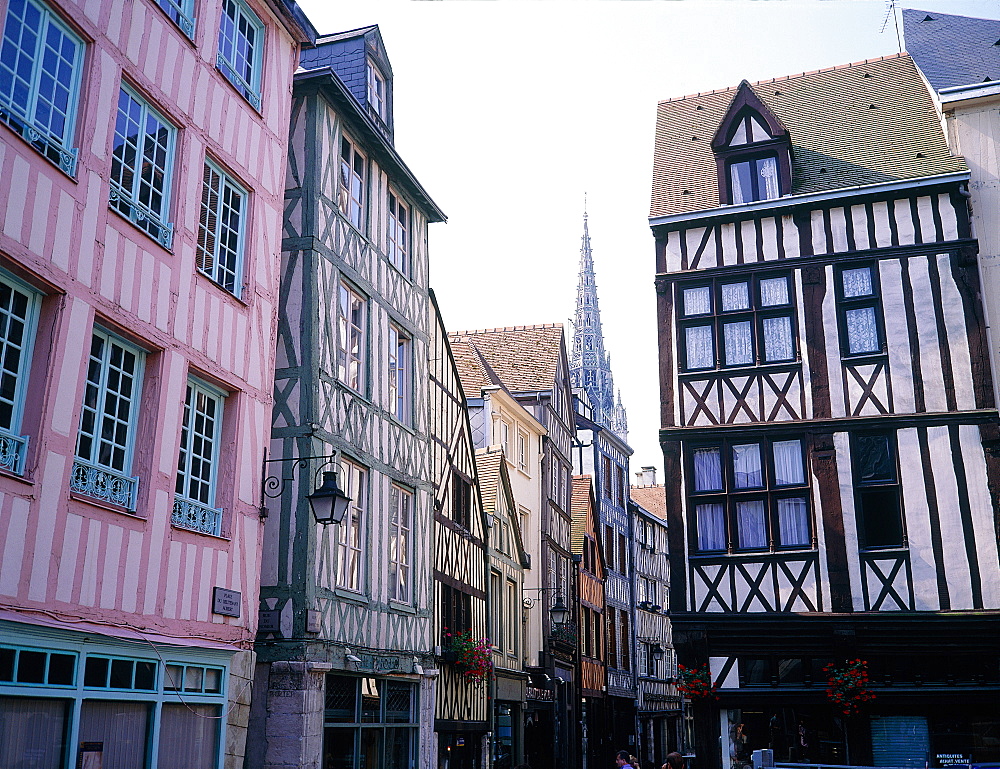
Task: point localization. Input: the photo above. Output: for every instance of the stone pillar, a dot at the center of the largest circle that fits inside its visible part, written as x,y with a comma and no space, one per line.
240,695
427,756
294,727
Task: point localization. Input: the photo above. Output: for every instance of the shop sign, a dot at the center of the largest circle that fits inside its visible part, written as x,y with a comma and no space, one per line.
379,664
951,759
546,695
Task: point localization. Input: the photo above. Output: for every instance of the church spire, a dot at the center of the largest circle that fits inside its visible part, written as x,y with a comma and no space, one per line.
590,364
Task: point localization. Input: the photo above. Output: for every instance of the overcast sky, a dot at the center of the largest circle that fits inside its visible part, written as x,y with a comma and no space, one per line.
509,111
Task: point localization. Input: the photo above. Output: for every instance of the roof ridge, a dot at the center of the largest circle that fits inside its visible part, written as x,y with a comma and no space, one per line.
504,329
785,77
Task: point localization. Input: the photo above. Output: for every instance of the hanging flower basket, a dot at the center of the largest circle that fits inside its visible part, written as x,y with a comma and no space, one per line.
696,683
847,686
474,659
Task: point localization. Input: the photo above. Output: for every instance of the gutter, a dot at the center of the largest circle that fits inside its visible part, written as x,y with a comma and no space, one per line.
790,201
971,91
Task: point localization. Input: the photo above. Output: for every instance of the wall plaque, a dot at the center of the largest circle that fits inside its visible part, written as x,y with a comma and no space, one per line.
226,602
269,621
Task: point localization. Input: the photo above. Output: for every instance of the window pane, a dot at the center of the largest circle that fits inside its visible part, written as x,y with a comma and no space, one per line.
755,671
767,182
881,519
747,473
873,461
371,749
758,133
774,292
32,732
738,342
791,672
735,296
751,524
698,345
339,748
857,282
341,699
740,182
123,727
707,470
793,522
862,330
697,301
778,339
788,468
188,736
711,527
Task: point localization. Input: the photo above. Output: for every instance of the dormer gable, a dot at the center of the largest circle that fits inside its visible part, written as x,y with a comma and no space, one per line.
752,151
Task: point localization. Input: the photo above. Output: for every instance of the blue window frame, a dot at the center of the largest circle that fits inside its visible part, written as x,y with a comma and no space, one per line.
23,666
222,229
241,49
198,460
181,12
18,322
108,422
40,64
142,165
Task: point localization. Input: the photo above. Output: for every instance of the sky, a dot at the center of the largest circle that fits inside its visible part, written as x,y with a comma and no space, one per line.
510,111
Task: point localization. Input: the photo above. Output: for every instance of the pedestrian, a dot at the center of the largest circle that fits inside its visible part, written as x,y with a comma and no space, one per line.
622,758
674,761
633,762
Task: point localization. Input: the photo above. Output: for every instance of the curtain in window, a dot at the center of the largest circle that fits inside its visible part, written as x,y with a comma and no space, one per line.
697,301
778,339
188,736
707,470
122,726
746,466
698,345
739,181
739,343
751,524
793,522
857,282
788,463
735,296
862,330
711,527
31,732
769,178
773,292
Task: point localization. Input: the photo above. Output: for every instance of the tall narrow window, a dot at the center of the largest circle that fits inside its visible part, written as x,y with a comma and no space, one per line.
876,491
108,422
181,12
18,320
399,374
354,478
522,450
351,311
397,236
497,620
221,229
376,92
351,198
241,49
860,311
461,500
513,619
198,460
142,166
623,651
40,65
400,544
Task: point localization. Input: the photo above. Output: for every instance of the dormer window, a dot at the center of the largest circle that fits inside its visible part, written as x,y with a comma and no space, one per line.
752,150
376,91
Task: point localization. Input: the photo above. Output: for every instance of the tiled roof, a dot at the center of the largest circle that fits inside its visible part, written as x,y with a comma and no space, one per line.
652,499
952,50
470,369
857,124
525,358
579,506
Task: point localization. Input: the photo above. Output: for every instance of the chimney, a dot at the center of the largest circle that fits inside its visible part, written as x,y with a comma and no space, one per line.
646,476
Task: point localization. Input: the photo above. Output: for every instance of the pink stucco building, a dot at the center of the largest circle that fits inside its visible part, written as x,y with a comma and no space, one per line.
142,161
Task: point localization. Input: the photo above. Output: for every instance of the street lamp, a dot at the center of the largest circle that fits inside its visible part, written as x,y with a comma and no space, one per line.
559,612
657,652
329,503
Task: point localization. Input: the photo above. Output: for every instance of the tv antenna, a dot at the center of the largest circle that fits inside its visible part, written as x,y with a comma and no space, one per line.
890,10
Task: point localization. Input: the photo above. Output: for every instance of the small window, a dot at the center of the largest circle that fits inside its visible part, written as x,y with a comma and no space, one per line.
108,421
181,12
198,460
522,450
119,673
41,61
241,49
754,179
193,679
376,92
352,321
397,236
350,540
400,543
142,167
399,362
876,489
461,500
222,229
351,197
860,310
35,667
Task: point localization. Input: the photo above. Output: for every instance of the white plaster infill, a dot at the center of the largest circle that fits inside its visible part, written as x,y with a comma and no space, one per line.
789,201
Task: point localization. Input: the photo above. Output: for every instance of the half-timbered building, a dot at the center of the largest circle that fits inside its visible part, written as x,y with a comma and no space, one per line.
828,420
531,362
345,640
660,726
461,566
138,286
508,560
595,745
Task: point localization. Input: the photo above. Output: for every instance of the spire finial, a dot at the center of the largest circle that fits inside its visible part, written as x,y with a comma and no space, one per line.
585,204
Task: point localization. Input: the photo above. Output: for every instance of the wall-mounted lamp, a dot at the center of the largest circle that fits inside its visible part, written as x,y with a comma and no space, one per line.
657,651
417,667
351,656
558,612
328,502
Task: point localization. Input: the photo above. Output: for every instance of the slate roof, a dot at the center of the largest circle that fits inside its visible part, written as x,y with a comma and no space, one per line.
652,499
524,358
580,508
857,124
952,50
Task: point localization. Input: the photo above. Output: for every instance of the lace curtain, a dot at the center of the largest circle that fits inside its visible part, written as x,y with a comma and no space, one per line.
862,330
793,522
751,524
698,346
739,343
773,292
857,282
697,301
735,296
711,527
768,168
778,339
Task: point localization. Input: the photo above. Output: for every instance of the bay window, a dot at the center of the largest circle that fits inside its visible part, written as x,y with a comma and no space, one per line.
738,322
749,495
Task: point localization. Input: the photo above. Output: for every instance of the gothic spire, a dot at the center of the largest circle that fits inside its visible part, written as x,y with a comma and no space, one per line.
590,364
